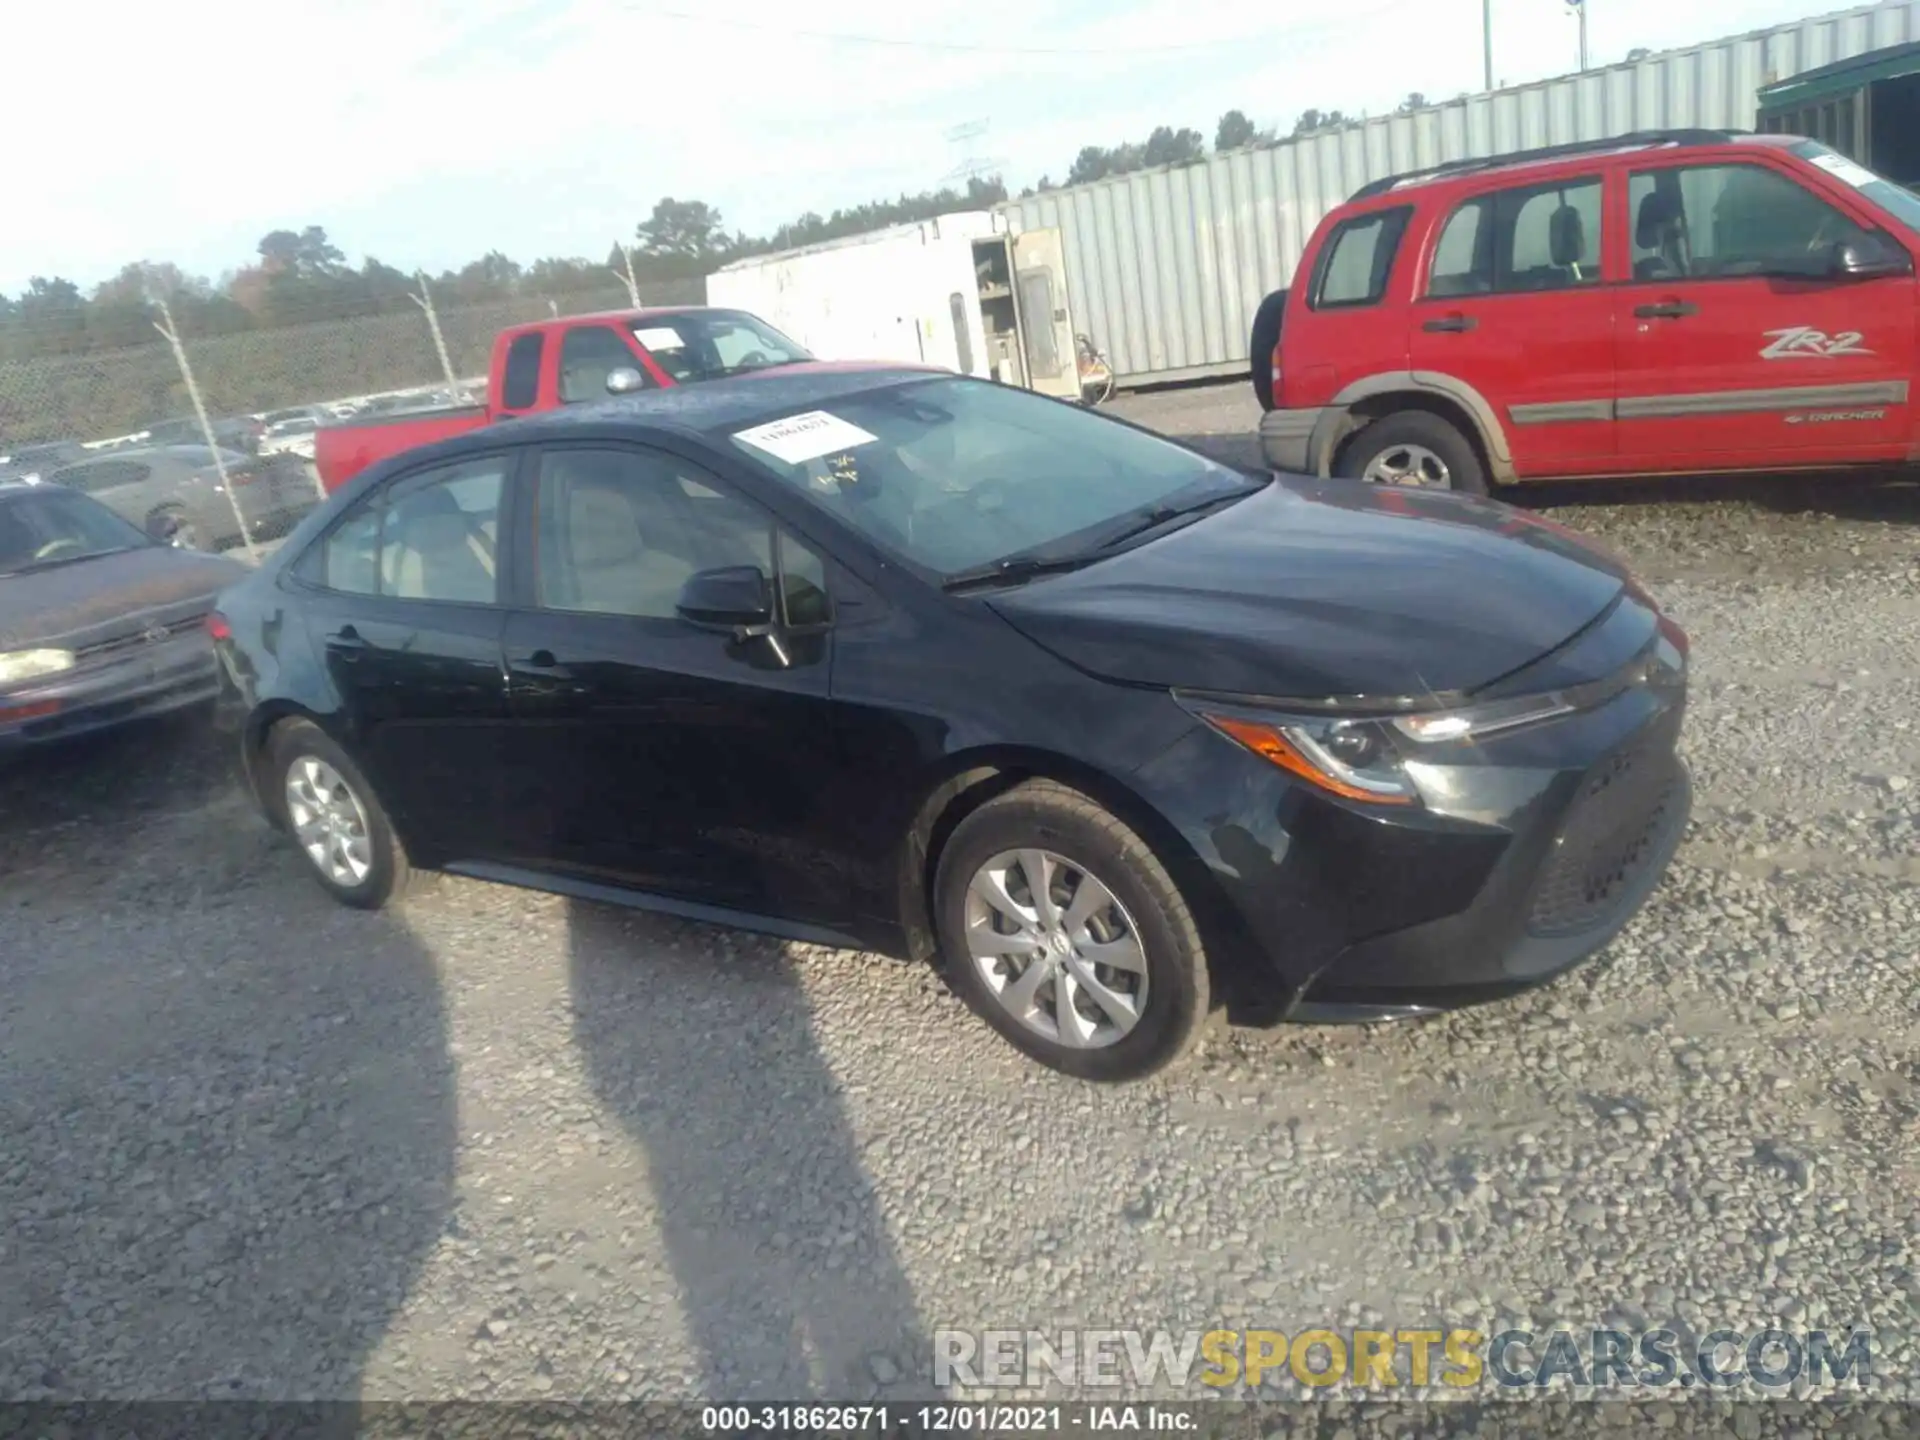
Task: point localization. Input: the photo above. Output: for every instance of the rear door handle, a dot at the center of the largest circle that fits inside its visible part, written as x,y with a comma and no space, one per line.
1451,324
346,643
1666,310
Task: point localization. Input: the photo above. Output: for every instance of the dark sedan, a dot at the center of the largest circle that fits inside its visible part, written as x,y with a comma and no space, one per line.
99,623
925,664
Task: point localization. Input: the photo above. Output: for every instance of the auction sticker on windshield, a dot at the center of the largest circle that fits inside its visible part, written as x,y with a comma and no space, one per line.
1842,168
660,337
800,438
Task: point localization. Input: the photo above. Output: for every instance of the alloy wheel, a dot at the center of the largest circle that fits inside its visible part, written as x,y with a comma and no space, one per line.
1056,948
1408,464
328,821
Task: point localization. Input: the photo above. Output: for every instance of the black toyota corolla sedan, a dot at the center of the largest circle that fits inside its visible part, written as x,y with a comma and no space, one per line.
887,658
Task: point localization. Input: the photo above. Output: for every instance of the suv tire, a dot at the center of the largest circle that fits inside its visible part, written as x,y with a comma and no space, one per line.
1267,321
1414,443
1160,979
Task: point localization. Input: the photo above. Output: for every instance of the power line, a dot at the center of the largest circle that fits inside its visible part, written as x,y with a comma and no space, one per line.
958,47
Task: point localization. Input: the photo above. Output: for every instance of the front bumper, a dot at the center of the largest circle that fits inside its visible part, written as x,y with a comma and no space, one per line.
1532,850
150,679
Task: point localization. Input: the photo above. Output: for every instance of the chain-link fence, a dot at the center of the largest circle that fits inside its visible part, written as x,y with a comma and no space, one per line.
83,404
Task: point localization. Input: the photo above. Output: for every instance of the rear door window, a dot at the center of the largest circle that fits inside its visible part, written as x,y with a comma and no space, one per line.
1357,259
1535,237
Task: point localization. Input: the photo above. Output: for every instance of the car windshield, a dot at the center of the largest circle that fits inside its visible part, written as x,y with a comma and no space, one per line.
706,344
955,474
51,526
1898,201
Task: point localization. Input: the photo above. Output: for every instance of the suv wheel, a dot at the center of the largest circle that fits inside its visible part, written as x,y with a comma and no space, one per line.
1065,933
1417,449
333,816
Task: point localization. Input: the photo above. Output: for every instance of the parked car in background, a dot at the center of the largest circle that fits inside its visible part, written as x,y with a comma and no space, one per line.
174,492
31,462
898,659
240,433
1650,304
570,361
293,436
100,624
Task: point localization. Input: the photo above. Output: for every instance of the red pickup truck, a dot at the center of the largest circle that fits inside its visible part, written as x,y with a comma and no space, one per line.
1644,305
569,361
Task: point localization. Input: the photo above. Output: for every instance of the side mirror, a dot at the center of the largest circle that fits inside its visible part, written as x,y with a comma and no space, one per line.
1871,257
624,380
736,597
166,529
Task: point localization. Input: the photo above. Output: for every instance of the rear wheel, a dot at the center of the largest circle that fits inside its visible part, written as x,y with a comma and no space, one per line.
334,817
1066,934
1264,341
1415,449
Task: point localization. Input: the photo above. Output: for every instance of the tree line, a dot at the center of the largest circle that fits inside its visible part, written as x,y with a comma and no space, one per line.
302,277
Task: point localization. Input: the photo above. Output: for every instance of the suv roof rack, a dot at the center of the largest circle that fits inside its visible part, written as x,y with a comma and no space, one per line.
1550,152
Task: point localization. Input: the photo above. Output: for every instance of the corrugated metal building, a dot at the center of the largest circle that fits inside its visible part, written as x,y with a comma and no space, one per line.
1165,267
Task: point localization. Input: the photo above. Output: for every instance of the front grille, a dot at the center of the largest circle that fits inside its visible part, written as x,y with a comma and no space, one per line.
150,634
1611,835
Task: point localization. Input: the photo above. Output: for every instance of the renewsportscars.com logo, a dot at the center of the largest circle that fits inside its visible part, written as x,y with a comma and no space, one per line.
1400,1359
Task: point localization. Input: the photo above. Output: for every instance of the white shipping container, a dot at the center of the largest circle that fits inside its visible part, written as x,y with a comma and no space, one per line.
956,291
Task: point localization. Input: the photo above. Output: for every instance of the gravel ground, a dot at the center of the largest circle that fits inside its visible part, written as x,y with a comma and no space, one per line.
495,1144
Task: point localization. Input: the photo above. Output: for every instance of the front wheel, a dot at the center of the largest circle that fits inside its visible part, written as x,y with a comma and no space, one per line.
1063,930
1414,449
334,817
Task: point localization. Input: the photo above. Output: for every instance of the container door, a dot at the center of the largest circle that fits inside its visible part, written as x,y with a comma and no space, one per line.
1046,323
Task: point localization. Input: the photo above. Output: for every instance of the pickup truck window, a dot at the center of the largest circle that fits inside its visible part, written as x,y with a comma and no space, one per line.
1707,222
520,386
589,354
706,344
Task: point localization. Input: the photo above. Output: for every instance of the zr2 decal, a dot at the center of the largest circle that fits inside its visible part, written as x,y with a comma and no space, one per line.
1803,342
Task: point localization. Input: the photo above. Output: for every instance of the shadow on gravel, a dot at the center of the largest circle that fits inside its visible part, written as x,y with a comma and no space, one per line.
702,1042
1841,497
227,1118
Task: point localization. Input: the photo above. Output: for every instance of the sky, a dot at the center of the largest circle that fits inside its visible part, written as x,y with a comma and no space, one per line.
427,132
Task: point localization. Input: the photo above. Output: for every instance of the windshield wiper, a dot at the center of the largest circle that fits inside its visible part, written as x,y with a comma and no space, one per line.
1155,516
1014,570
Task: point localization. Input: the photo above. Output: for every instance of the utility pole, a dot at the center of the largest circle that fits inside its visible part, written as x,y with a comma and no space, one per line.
1580,12
1486,39
425,301
633,286
166,328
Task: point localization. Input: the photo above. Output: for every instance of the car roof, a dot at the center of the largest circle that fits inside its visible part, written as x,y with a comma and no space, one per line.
711,406
1553,156
622,317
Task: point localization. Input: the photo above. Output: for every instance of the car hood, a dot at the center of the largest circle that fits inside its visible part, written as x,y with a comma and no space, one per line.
1314,589
90,599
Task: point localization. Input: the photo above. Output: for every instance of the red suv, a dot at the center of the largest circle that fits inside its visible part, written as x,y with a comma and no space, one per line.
1650,304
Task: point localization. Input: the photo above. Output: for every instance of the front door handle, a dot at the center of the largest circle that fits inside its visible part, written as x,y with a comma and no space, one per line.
1666,310
1451,324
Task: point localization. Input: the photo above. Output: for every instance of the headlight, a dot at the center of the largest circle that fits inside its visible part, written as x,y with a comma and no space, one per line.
1360,758
32,664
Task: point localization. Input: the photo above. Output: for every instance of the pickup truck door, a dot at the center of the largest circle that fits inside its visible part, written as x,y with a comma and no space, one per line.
1738,347
1044,314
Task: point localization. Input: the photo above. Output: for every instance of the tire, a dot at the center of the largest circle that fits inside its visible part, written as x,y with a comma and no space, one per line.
1043,816
300,743
1266,338
1411,432
186,534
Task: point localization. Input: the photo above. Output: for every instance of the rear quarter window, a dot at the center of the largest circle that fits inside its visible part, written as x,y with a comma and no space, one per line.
520,385
1357,259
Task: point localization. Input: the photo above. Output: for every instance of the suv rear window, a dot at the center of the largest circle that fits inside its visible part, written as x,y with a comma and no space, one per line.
1357,259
